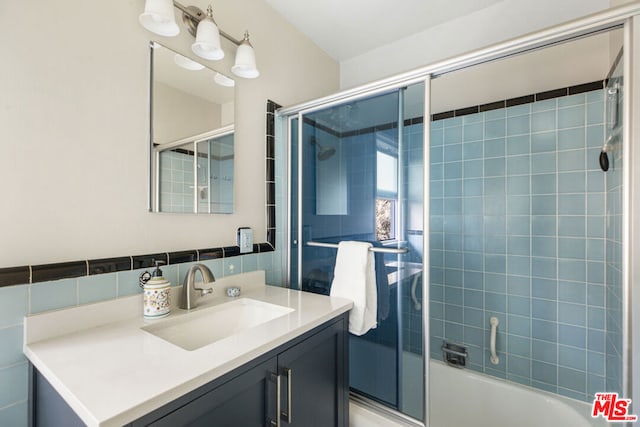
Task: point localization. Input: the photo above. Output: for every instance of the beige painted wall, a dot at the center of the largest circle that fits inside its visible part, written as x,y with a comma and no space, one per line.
74,97
178,115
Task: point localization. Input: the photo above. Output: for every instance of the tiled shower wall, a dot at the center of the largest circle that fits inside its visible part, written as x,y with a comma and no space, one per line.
176,192
518,232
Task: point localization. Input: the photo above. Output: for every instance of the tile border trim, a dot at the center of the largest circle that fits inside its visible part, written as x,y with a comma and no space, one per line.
30,274
520,100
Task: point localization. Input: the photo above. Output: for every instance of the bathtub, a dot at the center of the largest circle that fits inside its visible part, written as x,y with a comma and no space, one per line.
461,397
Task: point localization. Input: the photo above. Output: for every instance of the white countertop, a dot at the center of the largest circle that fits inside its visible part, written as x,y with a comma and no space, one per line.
111,372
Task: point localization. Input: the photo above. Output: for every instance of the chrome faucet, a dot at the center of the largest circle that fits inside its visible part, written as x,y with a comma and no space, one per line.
190,292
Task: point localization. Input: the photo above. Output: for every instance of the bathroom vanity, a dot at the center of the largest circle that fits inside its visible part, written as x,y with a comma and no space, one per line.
102,365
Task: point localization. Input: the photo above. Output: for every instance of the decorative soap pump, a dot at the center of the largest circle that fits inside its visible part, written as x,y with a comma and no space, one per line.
157,293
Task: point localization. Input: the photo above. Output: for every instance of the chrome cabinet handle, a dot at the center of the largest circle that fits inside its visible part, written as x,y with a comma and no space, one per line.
287,413
276,378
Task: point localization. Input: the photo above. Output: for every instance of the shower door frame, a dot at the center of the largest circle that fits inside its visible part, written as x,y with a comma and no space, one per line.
426,80
627,17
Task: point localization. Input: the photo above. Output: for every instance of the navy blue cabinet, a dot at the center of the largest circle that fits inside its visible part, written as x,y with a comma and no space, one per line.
304,382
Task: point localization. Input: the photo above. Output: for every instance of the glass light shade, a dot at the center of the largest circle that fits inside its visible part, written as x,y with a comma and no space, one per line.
245,64
223,80
207,43
187,63
158,17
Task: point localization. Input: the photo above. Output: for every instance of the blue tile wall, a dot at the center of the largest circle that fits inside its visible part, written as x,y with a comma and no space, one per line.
521,236
22,300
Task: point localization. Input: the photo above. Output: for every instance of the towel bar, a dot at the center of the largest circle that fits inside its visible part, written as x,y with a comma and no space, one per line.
373,249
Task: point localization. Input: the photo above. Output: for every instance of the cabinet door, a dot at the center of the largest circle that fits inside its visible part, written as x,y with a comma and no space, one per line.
247,400
314,380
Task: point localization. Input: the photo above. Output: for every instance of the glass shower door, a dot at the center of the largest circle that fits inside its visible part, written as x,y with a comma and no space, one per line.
357,176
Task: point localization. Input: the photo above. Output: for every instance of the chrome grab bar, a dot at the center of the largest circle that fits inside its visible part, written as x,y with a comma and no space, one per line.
373,249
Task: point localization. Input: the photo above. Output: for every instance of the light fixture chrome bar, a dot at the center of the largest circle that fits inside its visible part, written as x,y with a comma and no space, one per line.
197,19
374,249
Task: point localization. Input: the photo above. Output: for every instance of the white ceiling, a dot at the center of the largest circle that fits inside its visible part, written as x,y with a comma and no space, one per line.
348,28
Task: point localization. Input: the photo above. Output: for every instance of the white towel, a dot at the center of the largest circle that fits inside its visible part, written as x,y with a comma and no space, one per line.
354,278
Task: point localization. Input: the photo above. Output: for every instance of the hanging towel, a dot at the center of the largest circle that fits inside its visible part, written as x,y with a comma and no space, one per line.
382,283
354,278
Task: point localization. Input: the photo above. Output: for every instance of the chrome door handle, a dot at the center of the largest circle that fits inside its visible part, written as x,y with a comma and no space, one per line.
287,413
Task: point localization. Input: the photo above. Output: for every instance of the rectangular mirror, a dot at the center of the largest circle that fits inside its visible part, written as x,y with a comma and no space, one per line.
192,125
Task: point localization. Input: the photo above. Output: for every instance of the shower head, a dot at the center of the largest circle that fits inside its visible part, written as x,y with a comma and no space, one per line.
324,153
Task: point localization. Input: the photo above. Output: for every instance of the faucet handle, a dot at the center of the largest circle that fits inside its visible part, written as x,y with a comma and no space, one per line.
206,291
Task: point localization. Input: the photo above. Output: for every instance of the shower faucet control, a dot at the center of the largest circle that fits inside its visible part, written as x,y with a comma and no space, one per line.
454,355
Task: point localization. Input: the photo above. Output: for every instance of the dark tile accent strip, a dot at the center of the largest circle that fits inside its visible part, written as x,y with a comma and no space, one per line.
386,126
14,276
211,253
271,166
146,261
271,236
587,87
271,195
556,93
271,216
11,276
271,149
183,256
466,111
270,125
109,265
491,106
230,251
265,247
442,116
527,99
63,270
321,127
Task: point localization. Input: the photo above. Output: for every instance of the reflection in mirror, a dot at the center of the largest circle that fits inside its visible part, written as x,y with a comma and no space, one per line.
192,111
196,175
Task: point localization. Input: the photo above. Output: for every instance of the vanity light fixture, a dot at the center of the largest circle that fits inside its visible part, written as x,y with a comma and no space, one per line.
187,63
223,80
207,43
158,17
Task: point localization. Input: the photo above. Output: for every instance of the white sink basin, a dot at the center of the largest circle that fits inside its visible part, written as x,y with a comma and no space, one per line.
203,327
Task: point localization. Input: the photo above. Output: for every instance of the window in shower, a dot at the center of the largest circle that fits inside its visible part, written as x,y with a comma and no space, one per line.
385,219
386,195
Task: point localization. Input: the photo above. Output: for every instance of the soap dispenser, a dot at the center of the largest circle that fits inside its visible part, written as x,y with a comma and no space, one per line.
157,293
